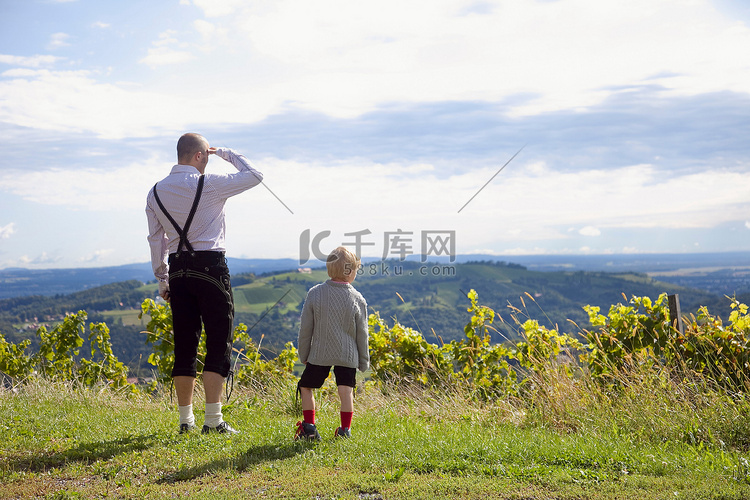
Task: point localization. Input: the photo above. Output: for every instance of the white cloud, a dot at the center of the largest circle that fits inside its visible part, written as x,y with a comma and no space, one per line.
76,101
162,53
205,28
589,231
40,260
517,208
97,256
101,24
7,230
520,205
217,8
58,41
20,73
96,190
212,35
346,58
161,56
511,216
29,62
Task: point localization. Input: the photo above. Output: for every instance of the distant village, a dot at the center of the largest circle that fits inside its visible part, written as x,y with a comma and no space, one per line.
49,321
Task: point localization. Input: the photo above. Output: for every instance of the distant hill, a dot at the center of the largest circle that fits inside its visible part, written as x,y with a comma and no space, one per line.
638,263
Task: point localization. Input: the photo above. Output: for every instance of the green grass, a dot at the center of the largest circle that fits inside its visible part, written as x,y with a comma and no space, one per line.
258,296
60,442
128,316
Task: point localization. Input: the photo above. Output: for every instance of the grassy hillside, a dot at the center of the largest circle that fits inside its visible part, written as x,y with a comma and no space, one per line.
290,287
62,443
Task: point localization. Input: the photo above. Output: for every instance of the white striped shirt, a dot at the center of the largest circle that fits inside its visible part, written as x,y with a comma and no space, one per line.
177,192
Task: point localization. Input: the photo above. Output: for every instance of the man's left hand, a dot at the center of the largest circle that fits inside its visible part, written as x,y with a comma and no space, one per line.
164,290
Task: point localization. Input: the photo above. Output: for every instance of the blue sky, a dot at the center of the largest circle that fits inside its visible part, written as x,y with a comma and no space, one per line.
633,116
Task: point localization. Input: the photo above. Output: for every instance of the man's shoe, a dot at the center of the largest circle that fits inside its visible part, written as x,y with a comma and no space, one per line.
222,428
343,432
185,428
306,432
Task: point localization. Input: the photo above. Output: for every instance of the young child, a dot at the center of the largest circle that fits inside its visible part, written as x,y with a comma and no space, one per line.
333,332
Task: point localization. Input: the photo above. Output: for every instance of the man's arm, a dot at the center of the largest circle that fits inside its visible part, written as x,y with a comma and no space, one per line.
233,184
158,241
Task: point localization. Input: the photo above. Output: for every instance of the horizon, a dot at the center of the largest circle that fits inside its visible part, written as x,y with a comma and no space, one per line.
734,269
441,260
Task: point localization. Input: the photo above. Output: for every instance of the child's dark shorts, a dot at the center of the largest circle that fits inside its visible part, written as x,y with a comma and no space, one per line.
314,376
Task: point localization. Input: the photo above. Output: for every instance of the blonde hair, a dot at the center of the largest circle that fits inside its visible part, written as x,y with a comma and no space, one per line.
341,263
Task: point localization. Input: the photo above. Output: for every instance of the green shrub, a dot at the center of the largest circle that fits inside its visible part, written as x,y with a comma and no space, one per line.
641,333
400,354
58,358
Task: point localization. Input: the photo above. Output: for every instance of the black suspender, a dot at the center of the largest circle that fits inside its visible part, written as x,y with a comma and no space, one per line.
183,232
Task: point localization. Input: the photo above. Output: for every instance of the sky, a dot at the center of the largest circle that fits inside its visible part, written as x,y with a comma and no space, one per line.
383,122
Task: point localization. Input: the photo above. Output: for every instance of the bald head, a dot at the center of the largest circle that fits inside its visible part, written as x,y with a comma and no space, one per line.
188,146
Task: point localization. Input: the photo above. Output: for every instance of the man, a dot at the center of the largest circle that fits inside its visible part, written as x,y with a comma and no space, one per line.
186,225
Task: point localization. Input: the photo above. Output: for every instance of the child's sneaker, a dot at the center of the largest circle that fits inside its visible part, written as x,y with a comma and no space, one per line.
343,432
307,432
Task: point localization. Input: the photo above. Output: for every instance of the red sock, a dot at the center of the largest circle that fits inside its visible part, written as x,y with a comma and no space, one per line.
346,419
308,416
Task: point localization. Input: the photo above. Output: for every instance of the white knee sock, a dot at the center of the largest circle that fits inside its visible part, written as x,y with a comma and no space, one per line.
186,415
213,414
